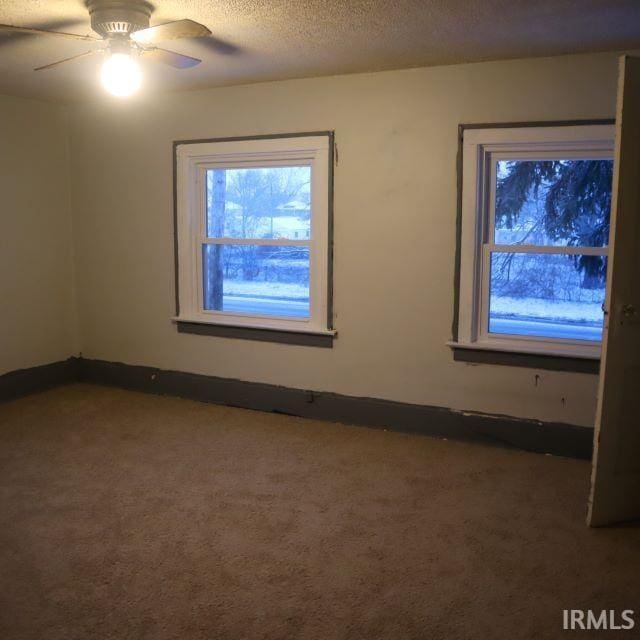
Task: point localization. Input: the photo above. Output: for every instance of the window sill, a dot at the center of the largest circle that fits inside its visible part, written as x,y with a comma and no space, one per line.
322,339
521,357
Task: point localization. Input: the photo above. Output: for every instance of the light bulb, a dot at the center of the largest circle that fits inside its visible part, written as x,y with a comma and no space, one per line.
121,75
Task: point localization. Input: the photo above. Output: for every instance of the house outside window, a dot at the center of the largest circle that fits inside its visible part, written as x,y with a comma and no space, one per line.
535,209
253,232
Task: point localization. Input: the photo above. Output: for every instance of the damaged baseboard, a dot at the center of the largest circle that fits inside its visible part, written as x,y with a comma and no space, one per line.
531,435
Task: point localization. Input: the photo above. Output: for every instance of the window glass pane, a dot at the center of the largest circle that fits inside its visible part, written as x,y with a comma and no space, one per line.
547,295
256,279
260,202
553,202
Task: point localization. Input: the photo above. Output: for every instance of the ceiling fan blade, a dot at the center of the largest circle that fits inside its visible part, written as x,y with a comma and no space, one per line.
171,31
7,28
173,59
55,64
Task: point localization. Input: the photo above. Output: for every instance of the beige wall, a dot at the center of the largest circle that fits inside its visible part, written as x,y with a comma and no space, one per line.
37,321
395,195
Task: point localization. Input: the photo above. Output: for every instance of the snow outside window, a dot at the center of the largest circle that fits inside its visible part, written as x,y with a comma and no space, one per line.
536,204
253,229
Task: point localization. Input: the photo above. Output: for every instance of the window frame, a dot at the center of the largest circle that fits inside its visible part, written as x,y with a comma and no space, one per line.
192,158
481,146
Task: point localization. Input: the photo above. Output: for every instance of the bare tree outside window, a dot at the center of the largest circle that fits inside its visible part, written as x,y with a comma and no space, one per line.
262,203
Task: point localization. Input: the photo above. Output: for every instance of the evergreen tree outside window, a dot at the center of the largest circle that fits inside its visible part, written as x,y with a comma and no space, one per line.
534,242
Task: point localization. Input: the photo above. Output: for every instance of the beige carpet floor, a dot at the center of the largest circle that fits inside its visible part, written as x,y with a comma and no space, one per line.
125,515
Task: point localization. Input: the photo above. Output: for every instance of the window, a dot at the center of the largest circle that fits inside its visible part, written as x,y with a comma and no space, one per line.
534,238
253,232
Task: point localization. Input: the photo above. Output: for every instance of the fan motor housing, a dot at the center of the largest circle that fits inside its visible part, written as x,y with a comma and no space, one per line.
113,18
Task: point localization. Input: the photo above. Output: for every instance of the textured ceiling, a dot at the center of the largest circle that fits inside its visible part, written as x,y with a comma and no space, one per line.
257,40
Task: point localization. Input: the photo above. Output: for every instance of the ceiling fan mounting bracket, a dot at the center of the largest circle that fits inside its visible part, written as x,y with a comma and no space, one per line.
114,18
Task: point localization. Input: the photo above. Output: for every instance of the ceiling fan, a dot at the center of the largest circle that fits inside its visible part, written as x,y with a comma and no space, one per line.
123,26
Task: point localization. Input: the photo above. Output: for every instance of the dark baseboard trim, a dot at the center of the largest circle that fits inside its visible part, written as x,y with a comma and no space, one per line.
542,437
25,381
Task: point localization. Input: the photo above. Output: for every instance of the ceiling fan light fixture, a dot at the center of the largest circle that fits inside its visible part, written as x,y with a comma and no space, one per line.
121,75
123,26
